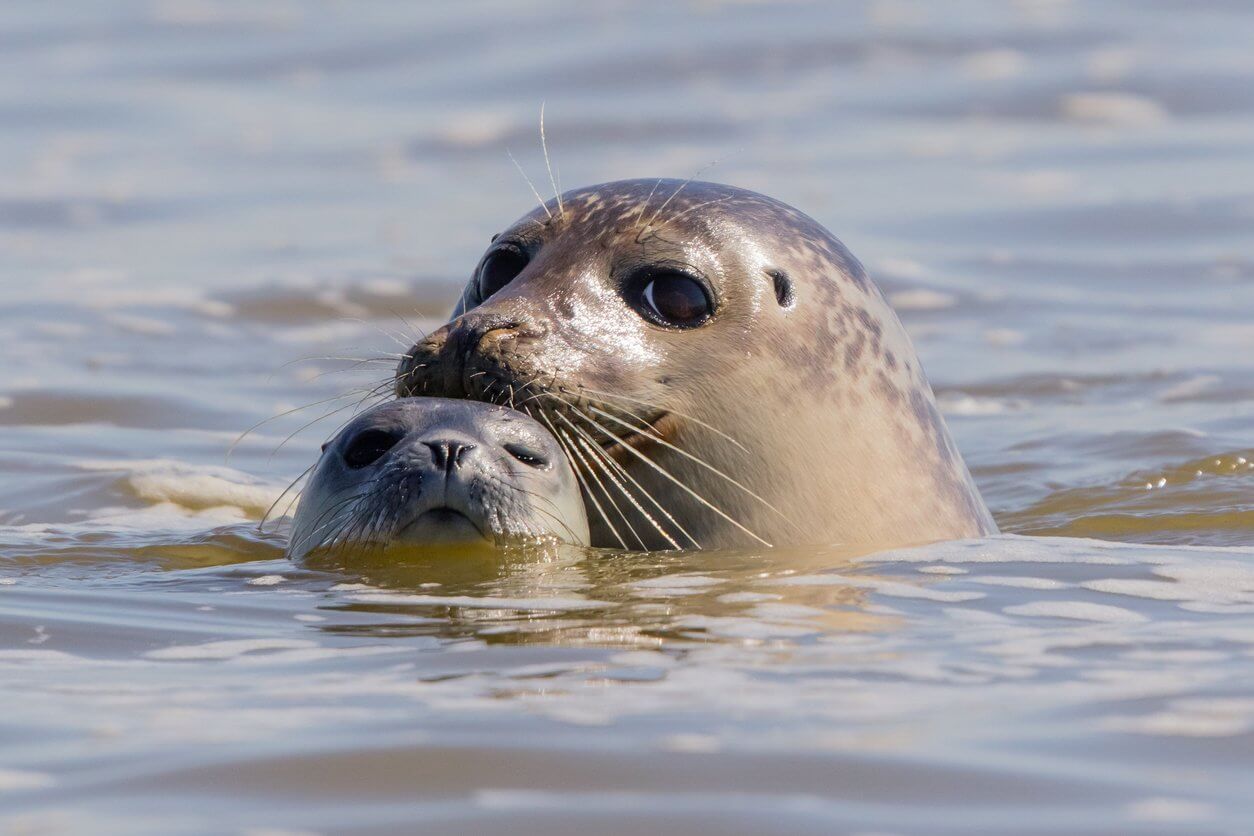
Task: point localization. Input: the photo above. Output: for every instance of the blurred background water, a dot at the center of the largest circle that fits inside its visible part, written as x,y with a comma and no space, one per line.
1058,198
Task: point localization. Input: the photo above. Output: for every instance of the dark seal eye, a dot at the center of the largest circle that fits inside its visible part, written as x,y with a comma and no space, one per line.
499,269
368,447
676,300
526,455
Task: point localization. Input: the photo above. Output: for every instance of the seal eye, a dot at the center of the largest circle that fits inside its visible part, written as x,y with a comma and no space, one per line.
675,299
499,269
526,455
368,447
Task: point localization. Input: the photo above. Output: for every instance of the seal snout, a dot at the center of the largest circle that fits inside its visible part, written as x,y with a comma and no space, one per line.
469,355
447,454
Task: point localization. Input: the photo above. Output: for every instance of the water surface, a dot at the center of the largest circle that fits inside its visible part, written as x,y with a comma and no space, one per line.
212,213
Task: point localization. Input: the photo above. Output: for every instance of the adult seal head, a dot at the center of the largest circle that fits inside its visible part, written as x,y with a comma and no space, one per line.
430,471
717,366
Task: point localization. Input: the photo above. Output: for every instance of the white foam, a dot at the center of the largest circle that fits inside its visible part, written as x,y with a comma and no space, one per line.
969,406
1003,337
1190,718
1169,810
921,299
746,597
892,589
676,582
194,487
142,325
1078,610
1114,109
1009,548
674,585
1017,582
994,64
744,628
17,780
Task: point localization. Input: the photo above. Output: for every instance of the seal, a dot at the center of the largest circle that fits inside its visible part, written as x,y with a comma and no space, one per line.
429,471
719,369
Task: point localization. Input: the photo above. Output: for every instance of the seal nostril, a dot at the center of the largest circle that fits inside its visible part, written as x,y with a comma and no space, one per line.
448,455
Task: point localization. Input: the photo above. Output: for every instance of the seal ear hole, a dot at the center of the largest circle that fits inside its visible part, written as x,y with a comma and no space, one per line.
784,293
368,447
526,455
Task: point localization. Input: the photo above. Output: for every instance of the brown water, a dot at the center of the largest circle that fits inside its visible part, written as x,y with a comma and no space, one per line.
1059,199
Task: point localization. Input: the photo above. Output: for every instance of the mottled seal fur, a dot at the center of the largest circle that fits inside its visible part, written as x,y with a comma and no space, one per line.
797,412
428,470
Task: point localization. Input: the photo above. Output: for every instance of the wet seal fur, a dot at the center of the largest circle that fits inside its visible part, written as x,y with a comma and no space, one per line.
429,471
797,414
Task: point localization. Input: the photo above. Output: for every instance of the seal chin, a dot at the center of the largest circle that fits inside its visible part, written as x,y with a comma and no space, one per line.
442,525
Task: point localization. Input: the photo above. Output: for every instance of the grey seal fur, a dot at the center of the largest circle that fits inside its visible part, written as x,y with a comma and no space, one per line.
797,413
430,471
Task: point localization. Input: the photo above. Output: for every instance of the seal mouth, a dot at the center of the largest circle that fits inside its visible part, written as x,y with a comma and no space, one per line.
442,525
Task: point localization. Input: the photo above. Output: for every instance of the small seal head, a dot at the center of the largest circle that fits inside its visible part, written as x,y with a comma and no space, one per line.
428,471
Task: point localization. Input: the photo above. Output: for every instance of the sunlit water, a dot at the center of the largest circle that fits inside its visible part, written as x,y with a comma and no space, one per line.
1058,198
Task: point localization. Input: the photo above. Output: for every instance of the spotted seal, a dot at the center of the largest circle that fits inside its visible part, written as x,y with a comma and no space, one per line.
430,471
719,369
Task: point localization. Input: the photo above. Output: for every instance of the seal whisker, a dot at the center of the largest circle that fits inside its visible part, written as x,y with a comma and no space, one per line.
384,357
674,195
696,460
553,514
665,473
660,408
403,343
674,218
531,185
544,146
266,516
374,392
598,454
231,449
575,446
604,491
582,482
356,366
301,543
644,206
354,523
419,334
623,471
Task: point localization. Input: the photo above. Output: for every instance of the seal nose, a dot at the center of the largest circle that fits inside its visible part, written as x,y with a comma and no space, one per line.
447,454
465,339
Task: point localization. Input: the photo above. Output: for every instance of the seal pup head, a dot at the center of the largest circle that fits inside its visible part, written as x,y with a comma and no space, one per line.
430,471
718,367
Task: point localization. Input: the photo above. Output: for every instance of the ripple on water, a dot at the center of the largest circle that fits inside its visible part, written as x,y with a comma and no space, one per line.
1051,194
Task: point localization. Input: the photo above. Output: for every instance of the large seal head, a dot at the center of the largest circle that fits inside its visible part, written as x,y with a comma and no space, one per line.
718,367
431,471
